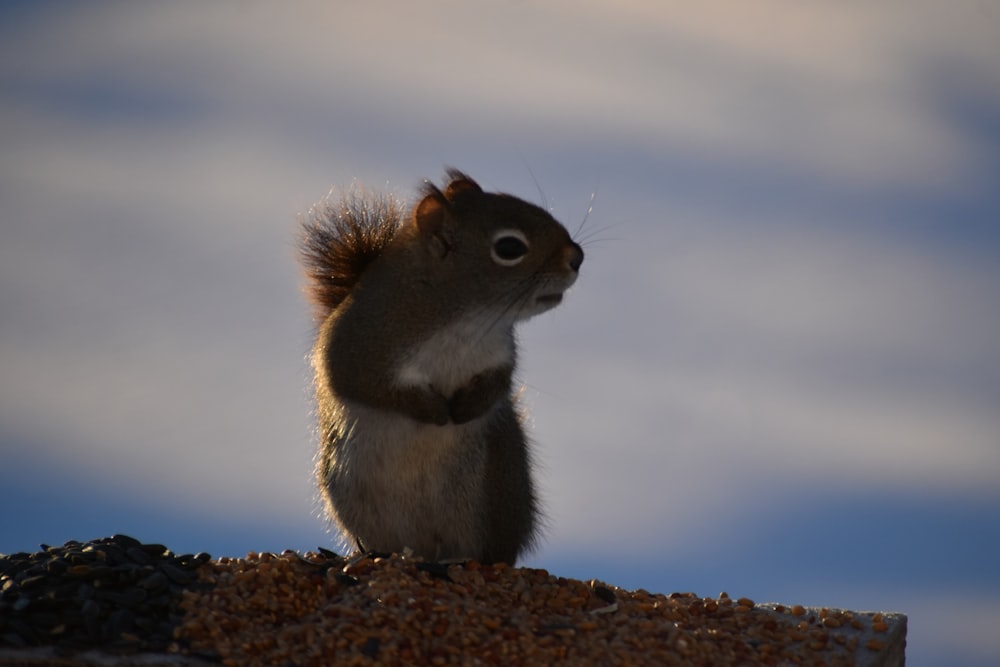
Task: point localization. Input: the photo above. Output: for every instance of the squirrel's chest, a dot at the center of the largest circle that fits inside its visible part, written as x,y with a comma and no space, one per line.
452,355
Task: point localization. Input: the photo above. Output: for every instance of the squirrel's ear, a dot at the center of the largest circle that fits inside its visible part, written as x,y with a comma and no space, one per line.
460,183
429,217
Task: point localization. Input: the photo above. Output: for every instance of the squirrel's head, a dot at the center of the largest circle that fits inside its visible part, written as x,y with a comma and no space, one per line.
501,251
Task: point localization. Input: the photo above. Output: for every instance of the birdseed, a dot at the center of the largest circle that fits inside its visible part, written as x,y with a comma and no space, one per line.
116,601
315,610
115,593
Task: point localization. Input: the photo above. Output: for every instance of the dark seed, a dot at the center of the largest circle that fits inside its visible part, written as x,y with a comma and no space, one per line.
62,589
119,622
25,631
94,551
554,627
165,629
156,581
56,567
146,624
68,647
75,556
92,621
48,603
140,556
90,608
126,644
370,649
327,552
78,570
157,550
126,540
436,570
13,639
113,593
177,575
19,557
303,559
85,592
128,572
347,580
44,620
605,594
114,555
130,597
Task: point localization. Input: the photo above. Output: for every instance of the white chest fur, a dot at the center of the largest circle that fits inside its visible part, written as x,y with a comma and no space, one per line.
420,483
453,355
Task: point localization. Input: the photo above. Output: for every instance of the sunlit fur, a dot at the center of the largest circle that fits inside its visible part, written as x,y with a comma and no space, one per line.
422,446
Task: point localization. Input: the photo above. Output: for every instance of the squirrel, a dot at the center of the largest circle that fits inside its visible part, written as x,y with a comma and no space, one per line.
422,444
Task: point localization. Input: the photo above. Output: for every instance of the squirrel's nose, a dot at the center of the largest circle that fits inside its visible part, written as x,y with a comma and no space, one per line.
574,256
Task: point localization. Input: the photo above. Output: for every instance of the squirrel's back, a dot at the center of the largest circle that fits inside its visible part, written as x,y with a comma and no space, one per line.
340,239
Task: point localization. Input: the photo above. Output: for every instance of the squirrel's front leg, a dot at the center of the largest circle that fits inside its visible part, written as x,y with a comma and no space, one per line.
479,394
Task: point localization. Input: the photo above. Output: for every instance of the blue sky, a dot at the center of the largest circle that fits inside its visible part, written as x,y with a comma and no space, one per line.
779,372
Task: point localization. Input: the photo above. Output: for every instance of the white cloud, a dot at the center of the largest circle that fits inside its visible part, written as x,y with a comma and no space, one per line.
148,261
845,291
762,359
151,333
847,92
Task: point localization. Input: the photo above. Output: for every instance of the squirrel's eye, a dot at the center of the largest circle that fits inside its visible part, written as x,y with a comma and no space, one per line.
509,247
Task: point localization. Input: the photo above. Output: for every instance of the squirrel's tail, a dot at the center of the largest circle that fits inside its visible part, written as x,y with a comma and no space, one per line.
339,239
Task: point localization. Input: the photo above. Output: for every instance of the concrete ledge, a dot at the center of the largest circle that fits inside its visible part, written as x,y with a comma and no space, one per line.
879,638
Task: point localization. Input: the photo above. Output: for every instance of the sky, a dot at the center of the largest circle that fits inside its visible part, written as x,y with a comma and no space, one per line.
778,374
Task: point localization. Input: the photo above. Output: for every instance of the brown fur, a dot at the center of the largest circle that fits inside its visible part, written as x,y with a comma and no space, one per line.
422,446
340,240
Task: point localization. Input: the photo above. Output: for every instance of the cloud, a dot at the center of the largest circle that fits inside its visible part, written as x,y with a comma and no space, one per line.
759,357
847,93
160,160
758,334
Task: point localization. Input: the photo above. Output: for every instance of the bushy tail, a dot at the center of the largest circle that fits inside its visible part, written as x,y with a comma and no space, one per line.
339,239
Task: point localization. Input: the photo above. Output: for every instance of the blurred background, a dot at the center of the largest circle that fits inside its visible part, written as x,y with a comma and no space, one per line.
778,375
